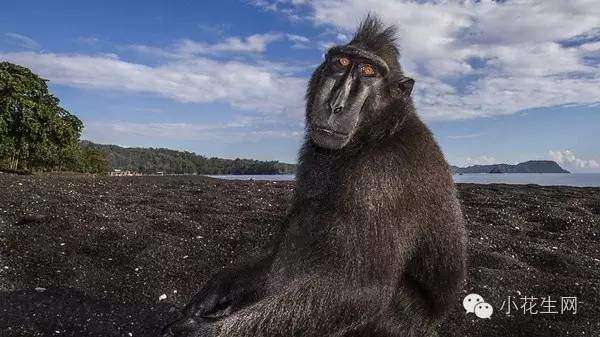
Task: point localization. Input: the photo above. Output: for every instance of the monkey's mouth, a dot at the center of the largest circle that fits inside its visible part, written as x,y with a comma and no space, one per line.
330,132
329,138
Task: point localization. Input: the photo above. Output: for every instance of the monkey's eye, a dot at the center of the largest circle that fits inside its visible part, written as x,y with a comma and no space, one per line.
344,61
367,70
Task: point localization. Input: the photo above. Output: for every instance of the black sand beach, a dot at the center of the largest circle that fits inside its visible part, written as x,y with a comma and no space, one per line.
115,256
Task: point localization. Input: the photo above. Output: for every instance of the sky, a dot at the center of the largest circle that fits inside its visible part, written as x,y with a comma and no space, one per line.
496,81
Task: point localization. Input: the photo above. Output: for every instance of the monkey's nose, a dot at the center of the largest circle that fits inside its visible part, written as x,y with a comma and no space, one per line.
338,109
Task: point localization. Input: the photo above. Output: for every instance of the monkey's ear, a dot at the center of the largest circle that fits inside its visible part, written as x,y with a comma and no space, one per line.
406,85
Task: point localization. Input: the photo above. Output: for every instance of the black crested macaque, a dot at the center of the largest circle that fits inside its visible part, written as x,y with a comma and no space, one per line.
374,242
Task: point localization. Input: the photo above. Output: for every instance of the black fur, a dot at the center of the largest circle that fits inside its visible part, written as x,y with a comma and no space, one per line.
374,243
372,35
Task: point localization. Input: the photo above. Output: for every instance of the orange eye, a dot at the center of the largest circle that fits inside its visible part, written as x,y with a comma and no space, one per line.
367,70
344,61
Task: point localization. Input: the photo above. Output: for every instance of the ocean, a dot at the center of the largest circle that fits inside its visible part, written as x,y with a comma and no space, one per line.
544,179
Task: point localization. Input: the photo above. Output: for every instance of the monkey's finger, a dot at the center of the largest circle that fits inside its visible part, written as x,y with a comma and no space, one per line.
180,328
202,305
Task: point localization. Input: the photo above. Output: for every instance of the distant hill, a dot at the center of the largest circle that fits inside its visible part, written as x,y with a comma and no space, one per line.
532,166
151,160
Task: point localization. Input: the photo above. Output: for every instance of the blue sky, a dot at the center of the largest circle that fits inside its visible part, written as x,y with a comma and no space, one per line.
496,81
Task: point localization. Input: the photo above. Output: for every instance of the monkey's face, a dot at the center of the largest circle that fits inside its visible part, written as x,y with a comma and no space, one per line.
348,88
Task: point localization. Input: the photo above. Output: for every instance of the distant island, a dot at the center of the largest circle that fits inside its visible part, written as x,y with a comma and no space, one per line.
531,166
166,161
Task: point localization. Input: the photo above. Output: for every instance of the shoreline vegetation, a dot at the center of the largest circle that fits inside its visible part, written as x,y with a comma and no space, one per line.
130,250
36,133
167,161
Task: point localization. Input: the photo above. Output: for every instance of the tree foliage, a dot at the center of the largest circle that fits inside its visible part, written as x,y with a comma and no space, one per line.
149,160
36,133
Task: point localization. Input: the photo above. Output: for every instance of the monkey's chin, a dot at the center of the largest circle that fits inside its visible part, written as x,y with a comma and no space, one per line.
328,139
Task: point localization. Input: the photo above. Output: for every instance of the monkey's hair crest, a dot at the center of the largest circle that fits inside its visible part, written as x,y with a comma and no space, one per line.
375,36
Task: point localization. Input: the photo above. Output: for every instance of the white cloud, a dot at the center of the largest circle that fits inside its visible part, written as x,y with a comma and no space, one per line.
480,160
190,72
256,43
187,48
252,86
21,40
482,58
299,41
234,45
298,38
569,158
238,130
468,62
282,7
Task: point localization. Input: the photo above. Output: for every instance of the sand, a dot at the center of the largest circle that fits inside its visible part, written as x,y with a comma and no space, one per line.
116,256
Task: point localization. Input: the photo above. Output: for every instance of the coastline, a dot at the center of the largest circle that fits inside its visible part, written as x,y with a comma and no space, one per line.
542,179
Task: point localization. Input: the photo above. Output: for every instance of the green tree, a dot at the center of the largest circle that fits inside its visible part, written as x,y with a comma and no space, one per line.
92,161
35,132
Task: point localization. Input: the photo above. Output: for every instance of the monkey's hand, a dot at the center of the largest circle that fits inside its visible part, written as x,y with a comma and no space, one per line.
190,328
218,298
222,295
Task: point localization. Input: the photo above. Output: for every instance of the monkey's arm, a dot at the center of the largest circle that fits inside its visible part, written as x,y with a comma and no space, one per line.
335,290
437,269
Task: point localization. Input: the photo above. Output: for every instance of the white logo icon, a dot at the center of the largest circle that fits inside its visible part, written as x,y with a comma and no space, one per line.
484,310
471,301
474,303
